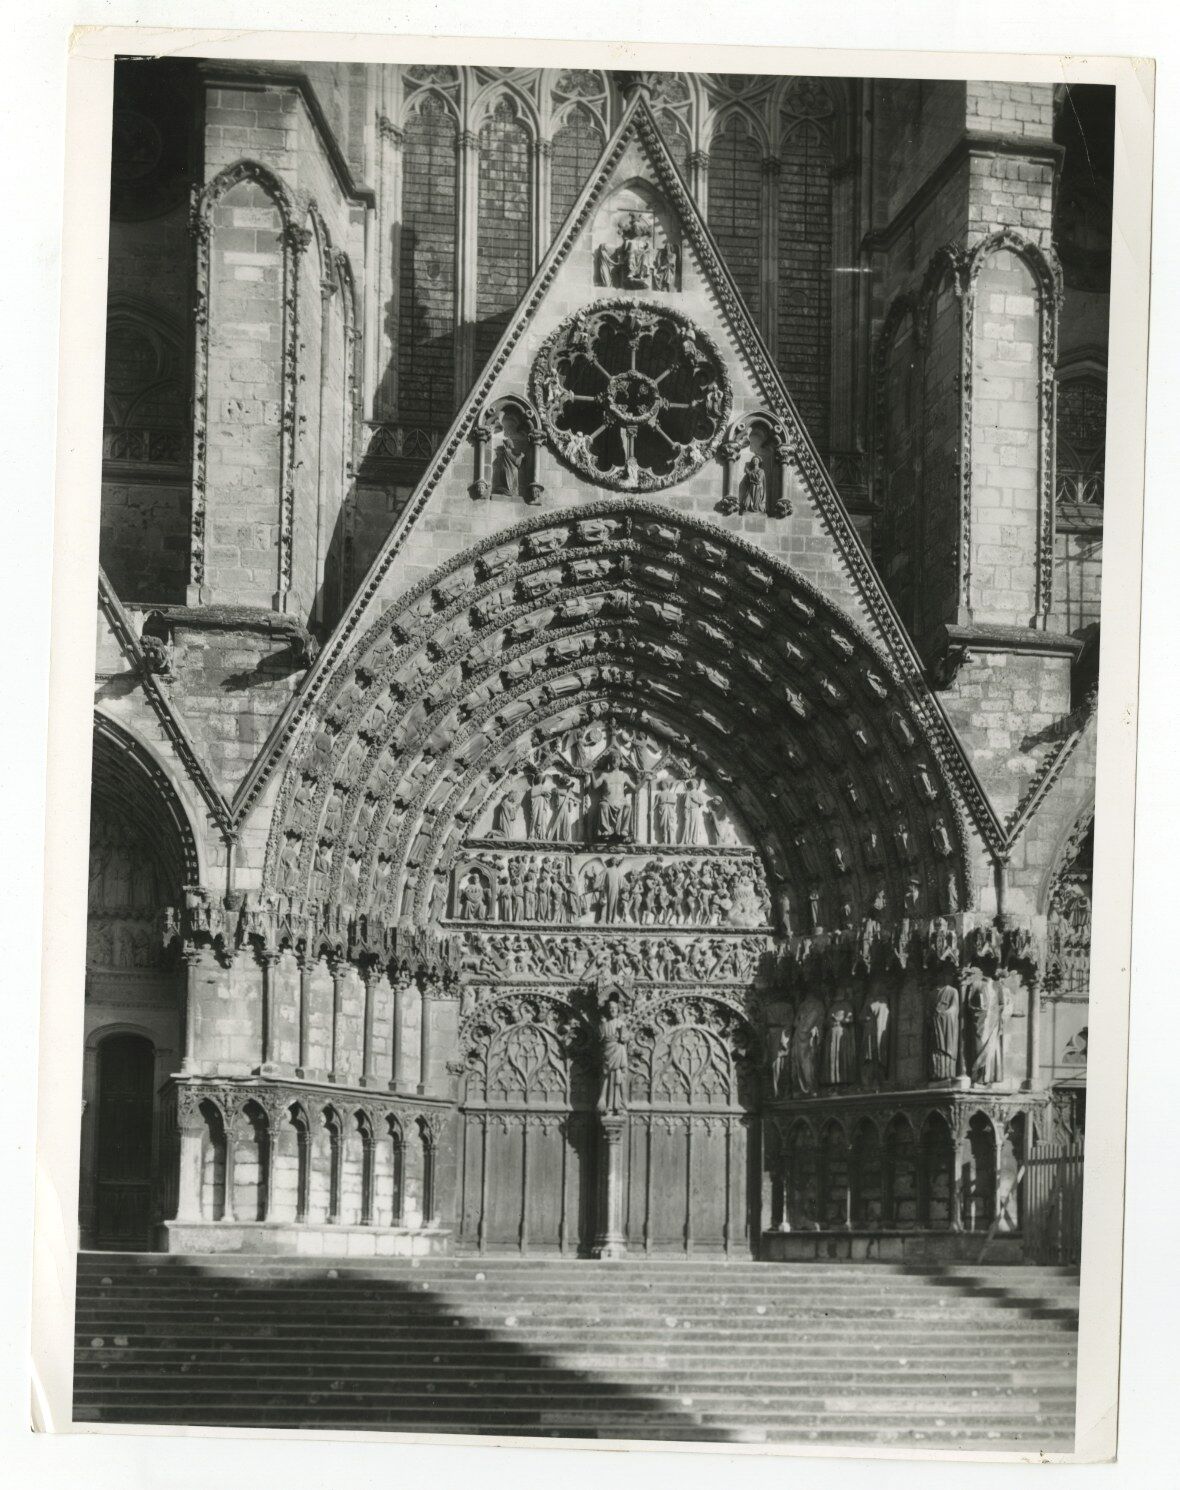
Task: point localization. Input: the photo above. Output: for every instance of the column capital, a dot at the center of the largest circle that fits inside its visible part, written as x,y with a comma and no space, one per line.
392,133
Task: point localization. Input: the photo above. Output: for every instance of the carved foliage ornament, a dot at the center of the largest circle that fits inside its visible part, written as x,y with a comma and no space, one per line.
634,398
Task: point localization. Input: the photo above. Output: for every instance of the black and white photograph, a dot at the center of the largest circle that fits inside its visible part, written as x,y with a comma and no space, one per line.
592,789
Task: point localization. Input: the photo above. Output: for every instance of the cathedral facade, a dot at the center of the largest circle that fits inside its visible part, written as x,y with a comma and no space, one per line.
597,651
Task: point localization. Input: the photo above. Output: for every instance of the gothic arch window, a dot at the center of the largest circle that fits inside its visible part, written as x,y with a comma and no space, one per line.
426,306
1080,493
147,420
147,455
504,222
1081,435
673,104
578,140
807,155
735,204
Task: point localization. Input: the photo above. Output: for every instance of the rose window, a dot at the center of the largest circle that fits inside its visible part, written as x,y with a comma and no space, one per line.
633,397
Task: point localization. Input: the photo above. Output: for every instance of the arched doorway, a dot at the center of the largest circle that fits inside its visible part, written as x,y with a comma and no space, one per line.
124,1142
142,853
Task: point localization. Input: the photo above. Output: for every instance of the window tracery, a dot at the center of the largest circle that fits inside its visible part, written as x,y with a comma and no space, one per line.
633,397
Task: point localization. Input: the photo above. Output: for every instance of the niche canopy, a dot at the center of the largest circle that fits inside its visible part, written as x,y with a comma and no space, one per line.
633,397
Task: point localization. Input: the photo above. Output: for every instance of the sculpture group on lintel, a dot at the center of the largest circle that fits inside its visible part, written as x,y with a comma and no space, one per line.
505,956
612,890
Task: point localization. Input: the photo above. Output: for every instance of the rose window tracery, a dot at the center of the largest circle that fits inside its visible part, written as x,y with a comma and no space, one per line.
635,398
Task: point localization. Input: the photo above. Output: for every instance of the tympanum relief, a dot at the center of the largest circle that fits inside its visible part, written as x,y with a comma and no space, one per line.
608,830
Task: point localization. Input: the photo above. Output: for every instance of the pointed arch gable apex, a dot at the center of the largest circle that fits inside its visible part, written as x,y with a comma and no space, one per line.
639,122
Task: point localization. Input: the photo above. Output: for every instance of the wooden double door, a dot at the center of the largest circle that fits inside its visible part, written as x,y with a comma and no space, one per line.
532,1152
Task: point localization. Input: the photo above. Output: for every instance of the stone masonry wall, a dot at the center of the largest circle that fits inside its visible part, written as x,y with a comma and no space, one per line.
1005,442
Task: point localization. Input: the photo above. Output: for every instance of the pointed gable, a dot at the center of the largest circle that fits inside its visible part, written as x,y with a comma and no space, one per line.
460,503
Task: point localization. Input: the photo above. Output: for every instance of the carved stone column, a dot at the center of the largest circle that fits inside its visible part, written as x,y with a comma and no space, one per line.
542,155
401,983
339,973
467,146
481,486
325,478
194,958
730,453
609,1240
191,1128
306,967
1032,1077
425,1040
780,504
269,1066
535,489
698,179
958,1143
370,977
771,169
229,1212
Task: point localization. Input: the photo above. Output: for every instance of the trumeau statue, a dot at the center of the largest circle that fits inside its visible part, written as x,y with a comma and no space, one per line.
613,1035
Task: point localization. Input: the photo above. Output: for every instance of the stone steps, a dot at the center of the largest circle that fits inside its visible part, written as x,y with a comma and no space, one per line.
842,1354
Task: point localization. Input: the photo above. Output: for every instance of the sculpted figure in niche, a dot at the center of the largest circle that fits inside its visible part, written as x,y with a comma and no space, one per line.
567,809
537,800
612,1032
666,800
616,787
507,813
752,491
874,1037
612,889
664,275
697,803
778,1049
839,1048
983,1011
805,1043
942,1027
473,898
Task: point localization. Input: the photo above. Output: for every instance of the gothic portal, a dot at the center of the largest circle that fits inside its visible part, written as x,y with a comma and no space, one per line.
614,775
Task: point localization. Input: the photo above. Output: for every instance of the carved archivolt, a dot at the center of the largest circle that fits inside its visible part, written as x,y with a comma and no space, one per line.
623,617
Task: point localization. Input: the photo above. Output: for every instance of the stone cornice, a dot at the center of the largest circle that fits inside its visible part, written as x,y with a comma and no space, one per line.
970,143
265,77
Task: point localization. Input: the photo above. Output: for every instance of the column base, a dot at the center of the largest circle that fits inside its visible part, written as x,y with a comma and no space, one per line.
610,1249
